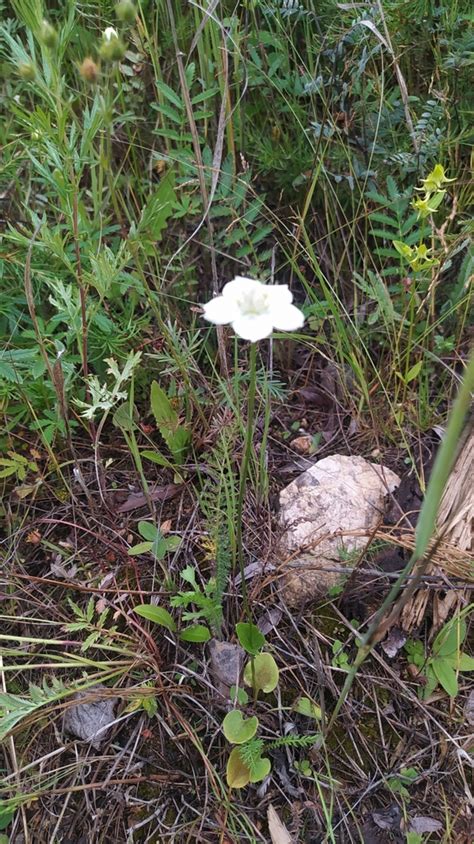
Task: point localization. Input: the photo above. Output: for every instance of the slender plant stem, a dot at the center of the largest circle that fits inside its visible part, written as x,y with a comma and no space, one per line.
244,469
425,531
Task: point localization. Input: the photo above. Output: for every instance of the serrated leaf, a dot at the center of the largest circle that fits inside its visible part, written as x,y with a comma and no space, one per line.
195,633
158,615
384,219
10,470
238,729
170,95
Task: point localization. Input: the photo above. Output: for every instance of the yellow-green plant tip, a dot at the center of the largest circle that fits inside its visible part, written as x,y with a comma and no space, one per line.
112,51
27,71
48,35
126,11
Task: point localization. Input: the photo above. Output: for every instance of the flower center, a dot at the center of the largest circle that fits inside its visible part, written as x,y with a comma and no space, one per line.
253,303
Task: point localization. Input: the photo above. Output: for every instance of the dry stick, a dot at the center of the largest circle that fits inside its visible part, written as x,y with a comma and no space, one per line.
419,560
200,169
80,280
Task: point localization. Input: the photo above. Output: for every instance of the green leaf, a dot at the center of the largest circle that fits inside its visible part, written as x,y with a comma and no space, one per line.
158,615
6,817
172,542
159,207
403,249
178,444
239,774
413,372
431,683
147,530
155,457
162,408
260,769
122,419
450,637
238,729
305,706
466,663
195,633
249,637
141,548
446,675
444,462
10,470
264,673
240,694
170,95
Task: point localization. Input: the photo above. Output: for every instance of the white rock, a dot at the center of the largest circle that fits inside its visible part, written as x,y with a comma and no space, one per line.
337,494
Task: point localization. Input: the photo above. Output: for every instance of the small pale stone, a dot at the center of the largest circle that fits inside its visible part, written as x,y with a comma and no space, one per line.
338,493
302,444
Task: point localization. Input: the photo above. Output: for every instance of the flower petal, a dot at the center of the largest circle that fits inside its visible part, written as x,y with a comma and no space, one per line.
287,318
254,327
220,310
241,286
280,294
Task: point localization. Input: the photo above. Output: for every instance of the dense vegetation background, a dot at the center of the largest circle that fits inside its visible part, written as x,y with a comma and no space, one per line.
287,141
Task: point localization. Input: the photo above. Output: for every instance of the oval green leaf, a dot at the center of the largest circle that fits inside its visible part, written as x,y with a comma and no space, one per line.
249,637
141,548
158,615
263,675
446,675
237,773
147,530
195,633
238,729
261,769
466,663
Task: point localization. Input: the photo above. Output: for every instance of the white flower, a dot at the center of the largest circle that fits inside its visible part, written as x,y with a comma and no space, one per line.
254,309
110,33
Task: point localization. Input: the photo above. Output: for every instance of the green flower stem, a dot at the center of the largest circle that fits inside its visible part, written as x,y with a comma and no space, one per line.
244,469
